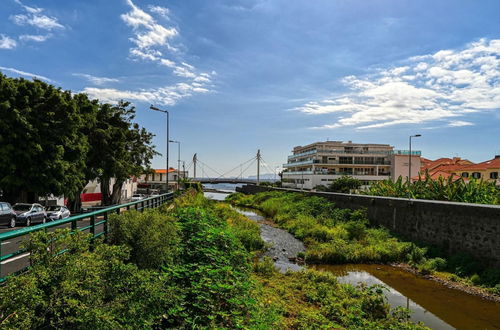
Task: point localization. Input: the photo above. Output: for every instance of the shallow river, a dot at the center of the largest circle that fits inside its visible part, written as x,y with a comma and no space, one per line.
432,303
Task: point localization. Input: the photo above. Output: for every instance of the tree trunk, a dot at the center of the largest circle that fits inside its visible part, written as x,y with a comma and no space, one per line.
106,194
75,204
116,195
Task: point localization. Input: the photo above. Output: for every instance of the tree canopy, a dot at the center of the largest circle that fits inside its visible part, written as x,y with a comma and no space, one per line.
53,141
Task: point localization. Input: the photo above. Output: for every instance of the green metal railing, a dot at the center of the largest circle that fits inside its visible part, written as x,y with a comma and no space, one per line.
97,218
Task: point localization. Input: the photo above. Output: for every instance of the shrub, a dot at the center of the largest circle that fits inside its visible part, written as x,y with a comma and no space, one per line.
152,237
265,267
83,289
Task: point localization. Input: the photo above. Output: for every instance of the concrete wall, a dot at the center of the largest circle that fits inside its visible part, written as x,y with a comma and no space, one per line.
456,227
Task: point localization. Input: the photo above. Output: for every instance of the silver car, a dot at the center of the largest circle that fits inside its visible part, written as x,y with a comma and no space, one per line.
56,212
29,213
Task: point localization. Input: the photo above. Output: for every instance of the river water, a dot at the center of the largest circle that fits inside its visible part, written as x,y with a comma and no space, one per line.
432,303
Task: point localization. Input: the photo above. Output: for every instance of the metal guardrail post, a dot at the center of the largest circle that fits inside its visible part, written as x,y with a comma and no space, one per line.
92,224
142,206
105,225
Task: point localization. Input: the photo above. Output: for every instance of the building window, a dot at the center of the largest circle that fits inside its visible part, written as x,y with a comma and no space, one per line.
345,160
494,175
476,175
465,175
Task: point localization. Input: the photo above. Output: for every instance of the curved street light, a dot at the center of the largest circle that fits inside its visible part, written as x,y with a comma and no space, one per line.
166,112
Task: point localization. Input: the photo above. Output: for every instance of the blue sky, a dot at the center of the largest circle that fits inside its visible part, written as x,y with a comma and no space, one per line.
239,75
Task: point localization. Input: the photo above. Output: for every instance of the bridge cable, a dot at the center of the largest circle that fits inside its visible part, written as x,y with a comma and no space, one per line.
235,168
209,167
252,163
273,171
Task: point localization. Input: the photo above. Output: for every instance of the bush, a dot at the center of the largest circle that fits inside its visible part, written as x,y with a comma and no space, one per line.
246,230
152,237
81,289
265,267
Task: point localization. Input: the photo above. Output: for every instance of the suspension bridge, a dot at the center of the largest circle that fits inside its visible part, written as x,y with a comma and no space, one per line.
237,174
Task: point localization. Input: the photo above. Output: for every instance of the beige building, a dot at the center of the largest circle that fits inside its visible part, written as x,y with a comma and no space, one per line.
157,179
400,160
320,163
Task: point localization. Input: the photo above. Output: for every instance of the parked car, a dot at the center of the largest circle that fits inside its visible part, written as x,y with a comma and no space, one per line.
137,197
56,212
29,213
7,215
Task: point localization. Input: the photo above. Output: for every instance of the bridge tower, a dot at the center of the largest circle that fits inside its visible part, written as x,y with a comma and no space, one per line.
258,167
195,160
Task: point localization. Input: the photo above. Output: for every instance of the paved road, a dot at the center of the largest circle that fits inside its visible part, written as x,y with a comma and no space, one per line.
16,263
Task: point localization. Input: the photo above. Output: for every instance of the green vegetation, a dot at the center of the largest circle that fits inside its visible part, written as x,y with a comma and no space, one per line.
186,265
472,191
65,139
344,184
315,300
339,236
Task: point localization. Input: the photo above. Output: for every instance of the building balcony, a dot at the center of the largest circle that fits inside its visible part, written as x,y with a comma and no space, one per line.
312,152
305,162
407,152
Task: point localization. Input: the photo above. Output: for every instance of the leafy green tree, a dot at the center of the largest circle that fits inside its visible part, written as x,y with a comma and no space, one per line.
343,184
42,147
119,149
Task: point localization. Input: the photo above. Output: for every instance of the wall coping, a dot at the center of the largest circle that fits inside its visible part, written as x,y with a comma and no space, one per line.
409,201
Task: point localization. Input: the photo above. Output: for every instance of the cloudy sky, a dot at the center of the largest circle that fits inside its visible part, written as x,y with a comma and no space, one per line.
239,75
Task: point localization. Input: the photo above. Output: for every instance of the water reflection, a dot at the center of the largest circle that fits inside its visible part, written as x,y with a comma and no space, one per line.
431,303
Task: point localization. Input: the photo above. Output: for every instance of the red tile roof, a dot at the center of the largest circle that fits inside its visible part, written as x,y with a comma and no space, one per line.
170,170
437,174
489,164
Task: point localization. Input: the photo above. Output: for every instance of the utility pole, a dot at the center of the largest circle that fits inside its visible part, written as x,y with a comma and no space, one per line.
195,159
168,138
258,167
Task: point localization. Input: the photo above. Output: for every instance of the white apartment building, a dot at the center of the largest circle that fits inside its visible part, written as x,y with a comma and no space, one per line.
320,163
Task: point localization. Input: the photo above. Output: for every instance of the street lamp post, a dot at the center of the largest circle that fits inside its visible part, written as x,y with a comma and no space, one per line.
178,162
409,165
168,138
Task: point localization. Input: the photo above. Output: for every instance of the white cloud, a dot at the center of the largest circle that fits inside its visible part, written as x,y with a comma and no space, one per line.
35,37
148,32
39,21
459,123
150,36
96,80
447,84
34,17
6,42
27,74
32,10
167,95
162,11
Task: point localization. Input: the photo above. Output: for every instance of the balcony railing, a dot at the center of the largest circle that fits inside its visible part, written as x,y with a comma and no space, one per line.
305,162
407,152
302,154
334,173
